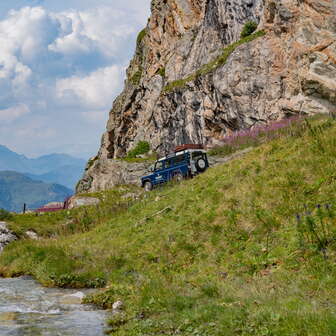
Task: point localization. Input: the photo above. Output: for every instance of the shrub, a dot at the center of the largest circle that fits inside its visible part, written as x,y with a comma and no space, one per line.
141,36
135,79
248,29
142,147
5,215
316,229
162,72
257,135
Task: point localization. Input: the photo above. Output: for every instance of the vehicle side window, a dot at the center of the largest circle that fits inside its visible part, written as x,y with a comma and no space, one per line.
169,163
178,159
197,155
159,165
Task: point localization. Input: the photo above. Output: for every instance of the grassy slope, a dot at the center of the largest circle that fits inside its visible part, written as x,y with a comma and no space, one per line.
224,258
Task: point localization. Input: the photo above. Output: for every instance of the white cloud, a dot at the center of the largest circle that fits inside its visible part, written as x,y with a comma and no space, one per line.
57,66
94,90
10,114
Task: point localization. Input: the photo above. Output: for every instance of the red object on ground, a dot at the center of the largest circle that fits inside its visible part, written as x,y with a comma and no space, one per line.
62,206
188,146
49,209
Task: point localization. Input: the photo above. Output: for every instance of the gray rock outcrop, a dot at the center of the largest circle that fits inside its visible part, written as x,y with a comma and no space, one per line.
6,236
291,70
79,201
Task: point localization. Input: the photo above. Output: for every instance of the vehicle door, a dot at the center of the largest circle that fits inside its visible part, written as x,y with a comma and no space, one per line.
159,173
179,165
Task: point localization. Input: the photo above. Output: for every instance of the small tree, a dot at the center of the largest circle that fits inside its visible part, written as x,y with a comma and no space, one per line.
249,28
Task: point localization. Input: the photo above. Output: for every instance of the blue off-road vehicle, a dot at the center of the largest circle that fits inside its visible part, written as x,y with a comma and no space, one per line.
186,161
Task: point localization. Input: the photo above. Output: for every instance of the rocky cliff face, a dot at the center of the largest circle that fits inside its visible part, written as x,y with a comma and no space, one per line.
181,87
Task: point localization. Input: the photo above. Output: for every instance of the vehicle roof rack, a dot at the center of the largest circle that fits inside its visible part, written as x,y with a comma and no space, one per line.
188,146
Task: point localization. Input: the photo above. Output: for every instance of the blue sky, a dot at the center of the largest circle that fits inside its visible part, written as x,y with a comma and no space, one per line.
62,63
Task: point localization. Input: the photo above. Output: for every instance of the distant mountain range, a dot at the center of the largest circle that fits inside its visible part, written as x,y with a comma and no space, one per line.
17,189
54,168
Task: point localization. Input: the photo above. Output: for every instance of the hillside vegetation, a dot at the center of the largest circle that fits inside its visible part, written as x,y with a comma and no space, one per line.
248,248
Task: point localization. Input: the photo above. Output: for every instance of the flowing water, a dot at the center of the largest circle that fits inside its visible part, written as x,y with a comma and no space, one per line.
27,309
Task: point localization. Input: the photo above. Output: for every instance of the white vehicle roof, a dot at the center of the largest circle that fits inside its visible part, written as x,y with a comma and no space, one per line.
181,153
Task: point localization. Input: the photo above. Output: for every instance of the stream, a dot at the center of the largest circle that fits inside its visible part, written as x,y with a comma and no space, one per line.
28,309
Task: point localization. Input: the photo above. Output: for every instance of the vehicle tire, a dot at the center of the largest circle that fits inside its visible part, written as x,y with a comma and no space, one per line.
148,186
178,177
201,165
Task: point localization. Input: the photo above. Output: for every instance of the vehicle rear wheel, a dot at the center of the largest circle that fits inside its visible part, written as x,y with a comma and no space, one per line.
201,165
148,186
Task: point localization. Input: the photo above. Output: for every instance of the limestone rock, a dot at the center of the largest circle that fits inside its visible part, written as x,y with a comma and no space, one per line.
291,70
118,306
32,235
79,201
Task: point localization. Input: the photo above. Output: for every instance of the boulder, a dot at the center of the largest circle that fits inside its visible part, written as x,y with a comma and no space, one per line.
32,235
79,201
118,306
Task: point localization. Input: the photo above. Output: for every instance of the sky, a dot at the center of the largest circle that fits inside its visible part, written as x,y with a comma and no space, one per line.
62,63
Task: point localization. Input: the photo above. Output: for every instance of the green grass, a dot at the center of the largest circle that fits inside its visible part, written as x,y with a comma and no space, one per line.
227,257
68,222
147,159
213,65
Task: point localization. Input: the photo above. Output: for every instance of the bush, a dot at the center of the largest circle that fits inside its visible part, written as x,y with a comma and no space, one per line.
248,29
141,36
135,79
316,229
5,215
142,147
162,72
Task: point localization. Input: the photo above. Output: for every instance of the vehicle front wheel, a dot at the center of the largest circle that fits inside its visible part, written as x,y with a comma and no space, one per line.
148,186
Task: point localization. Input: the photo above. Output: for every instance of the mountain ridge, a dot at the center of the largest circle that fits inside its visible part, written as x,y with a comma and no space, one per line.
17,189
57,168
